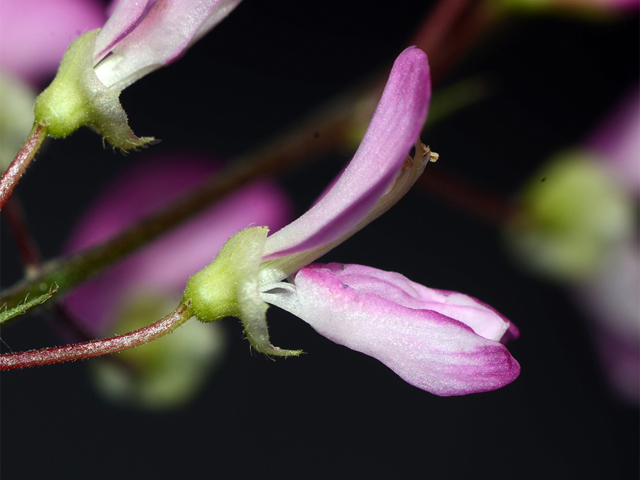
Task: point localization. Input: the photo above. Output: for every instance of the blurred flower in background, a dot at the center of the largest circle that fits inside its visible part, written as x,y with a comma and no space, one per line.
578,225
611,297
34,34
149,284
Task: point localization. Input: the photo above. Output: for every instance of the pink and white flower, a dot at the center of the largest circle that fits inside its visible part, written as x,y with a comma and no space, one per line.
443,342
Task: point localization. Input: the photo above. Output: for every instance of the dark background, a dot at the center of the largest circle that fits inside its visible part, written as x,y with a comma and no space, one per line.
334,413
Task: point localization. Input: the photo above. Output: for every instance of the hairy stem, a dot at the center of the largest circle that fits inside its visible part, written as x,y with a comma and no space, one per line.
96,348
21,161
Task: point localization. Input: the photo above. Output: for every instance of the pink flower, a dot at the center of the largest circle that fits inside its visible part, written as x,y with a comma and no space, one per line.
610,301
138,38
443,342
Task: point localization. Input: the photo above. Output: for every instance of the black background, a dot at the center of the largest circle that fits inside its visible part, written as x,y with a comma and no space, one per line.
334,413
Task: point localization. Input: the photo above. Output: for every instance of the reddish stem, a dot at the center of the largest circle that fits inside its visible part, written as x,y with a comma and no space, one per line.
20,163
471,29
450,30
471,199
13,214
79,351
438,24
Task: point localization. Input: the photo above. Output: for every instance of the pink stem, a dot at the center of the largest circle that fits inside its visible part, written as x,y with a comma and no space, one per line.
95,348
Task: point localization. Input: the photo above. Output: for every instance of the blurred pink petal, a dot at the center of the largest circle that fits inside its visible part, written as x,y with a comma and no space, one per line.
34,34
617,141
610,297
611,301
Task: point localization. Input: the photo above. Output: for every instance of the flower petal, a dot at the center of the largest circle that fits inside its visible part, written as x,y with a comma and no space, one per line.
124,18
394,129
142,36
426,348
484,320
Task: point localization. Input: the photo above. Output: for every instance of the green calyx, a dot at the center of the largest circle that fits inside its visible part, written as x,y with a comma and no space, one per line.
229,287
218,290
76,97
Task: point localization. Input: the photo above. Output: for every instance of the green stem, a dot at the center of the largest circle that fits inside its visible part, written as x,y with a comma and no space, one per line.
21,161
79,351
